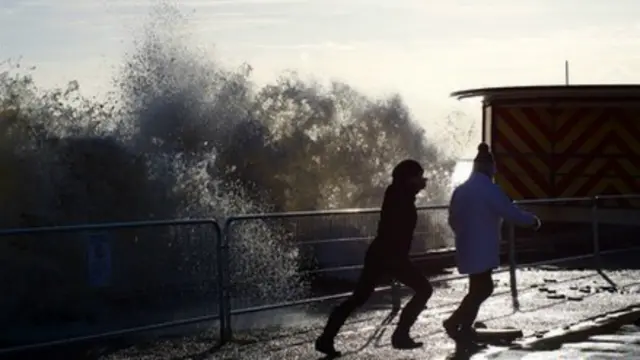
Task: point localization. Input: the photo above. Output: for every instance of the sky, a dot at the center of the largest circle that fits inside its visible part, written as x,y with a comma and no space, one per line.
422,49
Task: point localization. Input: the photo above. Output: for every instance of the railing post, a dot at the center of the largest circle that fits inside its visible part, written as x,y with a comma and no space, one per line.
226,278
222,308
595,227
512,267
395,296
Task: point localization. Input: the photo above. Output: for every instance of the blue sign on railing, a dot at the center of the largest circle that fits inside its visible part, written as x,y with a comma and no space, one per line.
99,259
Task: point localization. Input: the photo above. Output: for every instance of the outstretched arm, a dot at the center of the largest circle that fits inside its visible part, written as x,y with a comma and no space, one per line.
502,205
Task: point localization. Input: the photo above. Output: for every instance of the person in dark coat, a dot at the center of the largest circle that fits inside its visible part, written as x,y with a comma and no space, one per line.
388,255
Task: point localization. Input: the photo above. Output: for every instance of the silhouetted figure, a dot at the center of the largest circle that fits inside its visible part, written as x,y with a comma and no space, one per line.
388,254
475,212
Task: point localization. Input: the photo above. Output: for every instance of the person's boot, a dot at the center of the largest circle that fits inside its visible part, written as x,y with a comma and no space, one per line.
466,342
324,344
469,347
452,329
401,340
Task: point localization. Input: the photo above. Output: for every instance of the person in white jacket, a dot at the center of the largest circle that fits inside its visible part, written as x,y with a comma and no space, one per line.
476,210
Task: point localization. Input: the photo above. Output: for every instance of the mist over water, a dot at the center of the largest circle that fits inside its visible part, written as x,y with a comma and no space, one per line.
182,137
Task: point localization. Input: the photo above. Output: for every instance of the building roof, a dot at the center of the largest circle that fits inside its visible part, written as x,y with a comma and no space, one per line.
552,91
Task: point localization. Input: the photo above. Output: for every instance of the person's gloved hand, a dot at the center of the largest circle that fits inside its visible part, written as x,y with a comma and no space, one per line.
536,225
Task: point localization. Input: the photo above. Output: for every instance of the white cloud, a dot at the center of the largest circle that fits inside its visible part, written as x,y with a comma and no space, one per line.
427,73
457,8
221,22
129,4
425,65
94,74
322,46
215,3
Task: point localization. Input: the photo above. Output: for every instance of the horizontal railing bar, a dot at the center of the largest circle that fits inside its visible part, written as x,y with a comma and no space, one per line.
345,239
313,300
105,226
111,334
415,257
433,252
580,257
616,197
420,257
433,281
553,201
340,296
177,222
326,298
432,207
356,211
558,260
336,240
333,269
353,211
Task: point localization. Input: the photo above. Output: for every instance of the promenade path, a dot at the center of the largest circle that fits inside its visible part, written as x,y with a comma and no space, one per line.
367,336
552,299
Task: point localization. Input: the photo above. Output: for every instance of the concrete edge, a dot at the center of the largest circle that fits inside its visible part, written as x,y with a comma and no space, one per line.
578,331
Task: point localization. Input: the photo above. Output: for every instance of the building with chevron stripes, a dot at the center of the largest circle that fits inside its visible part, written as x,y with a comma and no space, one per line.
566,141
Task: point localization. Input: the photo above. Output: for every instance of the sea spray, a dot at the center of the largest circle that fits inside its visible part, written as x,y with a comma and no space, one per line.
182,137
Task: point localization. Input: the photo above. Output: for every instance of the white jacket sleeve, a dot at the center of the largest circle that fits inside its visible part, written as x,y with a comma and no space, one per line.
502,205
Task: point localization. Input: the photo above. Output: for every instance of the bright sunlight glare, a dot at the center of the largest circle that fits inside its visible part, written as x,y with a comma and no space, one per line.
461,172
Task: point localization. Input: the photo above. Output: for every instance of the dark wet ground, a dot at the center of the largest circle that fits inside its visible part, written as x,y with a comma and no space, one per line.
623,344
538,312
550,297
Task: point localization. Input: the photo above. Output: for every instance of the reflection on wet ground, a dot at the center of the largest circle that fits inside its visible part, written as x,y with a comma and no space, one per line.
623,344
550,298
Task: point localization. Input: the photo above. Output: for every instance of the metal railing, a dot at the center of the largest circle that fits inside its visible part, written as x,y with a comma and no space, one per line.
366,227
216,249
394,287
229,257
594,221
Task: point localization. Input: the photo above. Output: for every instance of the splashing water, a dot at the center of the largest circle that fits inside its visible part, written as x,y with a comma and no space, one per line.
183,107
146,152
149,151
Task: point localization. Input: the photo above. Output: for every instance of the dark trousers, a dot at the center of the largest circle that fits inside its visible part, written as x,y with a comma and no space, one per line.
377,264
480,289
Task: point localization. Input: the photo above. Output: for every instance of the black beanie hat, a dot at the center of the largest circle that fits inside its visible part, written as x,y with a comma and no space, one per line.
407,168
484,154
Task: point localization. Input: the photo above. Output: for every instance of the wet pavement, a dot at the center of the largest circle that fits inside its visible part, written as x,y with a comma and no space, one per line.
549,299
623,344
552,301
